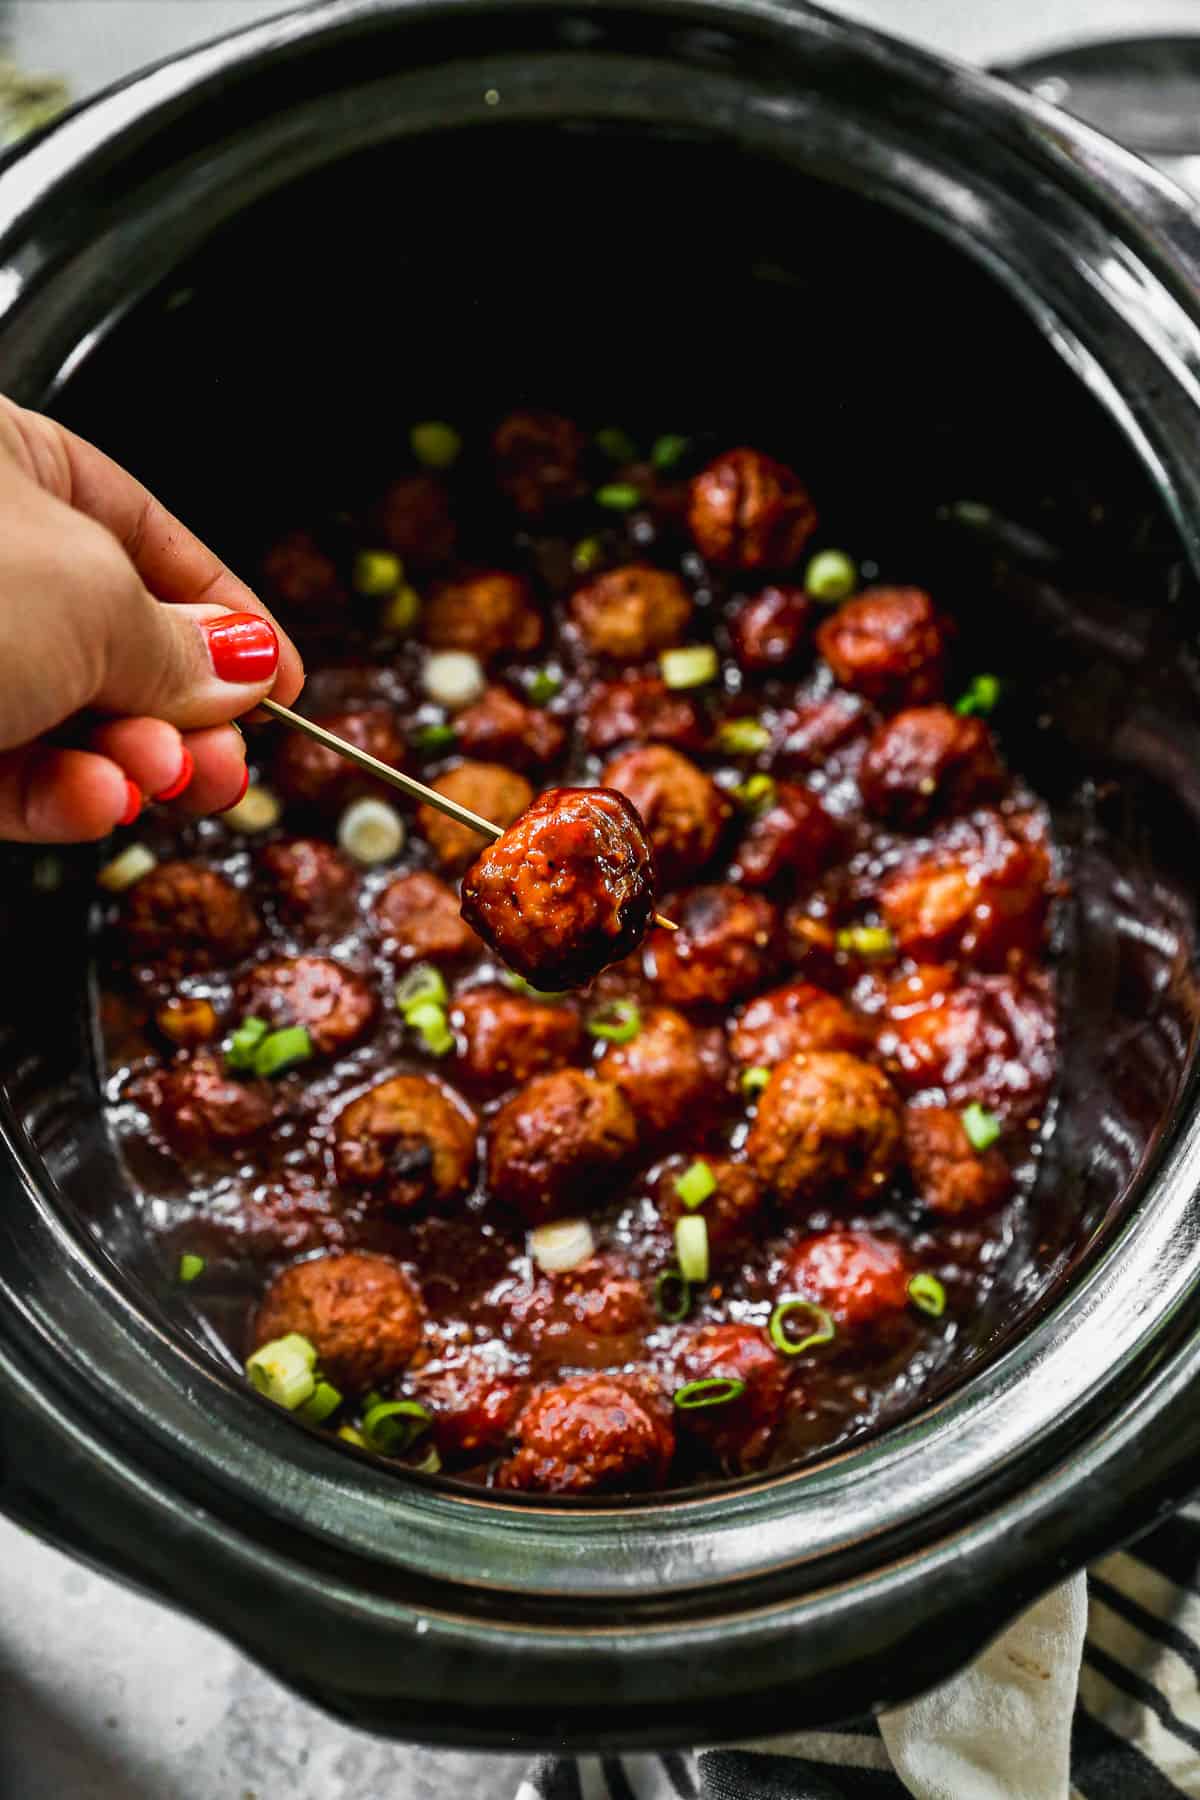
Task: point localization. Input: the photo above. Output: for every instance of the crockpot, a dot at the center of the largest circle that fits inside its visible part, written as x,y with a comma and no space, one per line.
978,323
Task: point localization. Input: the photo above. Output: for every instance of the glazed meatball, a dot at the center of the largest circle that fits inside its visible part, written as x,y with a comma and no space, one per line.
501,728
792,834
828,1127
928,760
591,1435
497,794
505,1039
198,1107
539,459
813,733
740,1430
594,1316
770,631
418,918
561,1141
950,1175
812,947
789,1019
490,614
888,644
730,1212
410,1140
747,511
857,1277
413,518
334,1005
642,707
186,919
309,773
662,1072
979,900
360,1313
683,811
474,1406
567,890
990,1039
297,574
631,612
727,945
312,885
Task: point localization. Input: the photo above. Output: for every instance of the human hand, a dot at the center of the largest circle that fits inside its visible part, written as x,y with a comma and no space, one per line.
109,607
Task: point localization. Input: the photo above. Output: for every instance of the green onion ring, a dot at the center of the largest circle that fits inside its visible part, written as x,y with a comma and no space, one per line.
713,1391
825,1331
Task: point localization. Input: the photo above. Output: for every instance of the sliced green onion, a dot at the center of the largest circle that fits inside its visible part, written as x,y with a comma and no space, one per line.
742,737
430,1463
519,985
432,738
713,1391
668,450
190,1267
374,1398
371,832
435,444
617,1023
691,1246
667,1282
376,573
422,985
817,1325
429,1022
696,1184
257,810
866,940
927,1294
753,1081
283,1370
348,1434
616,444
393,1425
756,793
586,555
453,679
543,687
127,868
619,496
981,1126
981,695
562,1245
239,1053
830,576
402,611
323,1401
283,1050
692,666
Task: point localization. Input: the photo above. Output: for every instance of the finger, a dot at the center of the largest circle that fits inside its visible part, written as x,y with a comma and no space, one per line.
221,775
150,751
190,665
50,796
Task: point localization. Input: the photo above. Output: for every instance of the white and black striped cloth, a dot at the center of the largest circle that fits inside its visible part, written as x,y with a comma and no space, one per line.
1136,1733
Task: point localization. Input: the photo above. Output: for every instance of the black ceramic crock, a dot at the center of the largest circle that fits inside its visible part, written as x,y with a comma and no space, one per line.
978,324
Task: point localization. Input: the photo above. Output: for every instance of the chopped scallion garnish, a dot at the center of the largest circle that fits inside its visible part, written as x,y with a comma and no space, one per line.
981,695
755,794
810,1324
392,1425
543,686
282,1050
618,496
668,450
349,1436
617,1023
830,576
423,985
927,1294
691,1246
432,738
401,611
616,444
586,555
376,573
753,1081
190,1267
323,1401
519,985
742,737
283,1370
430,1463
981,1126
435,444
240,1051
713,1391
672,1296
696,1183
429,1022
866,940
694,665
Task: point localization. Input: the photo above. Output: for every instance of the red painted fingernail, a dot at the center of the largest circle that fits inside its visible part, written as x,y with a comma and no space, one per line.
243,647
133,804
241,793
187,769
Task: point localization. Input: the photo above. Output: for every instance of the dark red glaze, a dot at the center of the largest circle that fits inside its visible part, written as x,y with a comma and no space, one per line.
888,644
747,511
770,631
857,1276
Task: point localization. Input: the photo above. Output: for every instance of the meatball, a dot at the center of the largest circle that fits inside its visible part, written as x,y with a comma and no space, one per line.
413,518
474,1406
980,901
314,887
185,919
631,612
501,728
567,890
950,1175
539,459
747,511
789,1019
727,945
307,772
813,733
739,1431
828,1127
410,1140
662,1072
333,1004
198,1107
490,614
683,811
505,1039
857,1277
792,834
888,644
558,1143
591,1435
494,792
591,1317
642,707
990,1039
418,918
770,630
296,573
730,1212
812,947
928,760
360,1313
